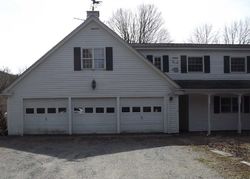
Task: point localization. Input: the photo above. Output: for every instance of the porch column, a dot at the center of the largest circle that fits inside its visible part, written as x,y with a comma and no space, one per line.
70,115
208,114
239,113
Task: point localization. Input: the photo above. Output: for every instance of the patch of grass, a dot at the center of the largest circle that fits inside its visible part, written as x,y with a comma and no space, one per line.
229,167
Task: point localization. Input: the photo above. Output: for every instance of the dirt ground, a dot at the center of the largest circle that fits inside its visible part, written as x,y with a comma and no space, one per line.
111,157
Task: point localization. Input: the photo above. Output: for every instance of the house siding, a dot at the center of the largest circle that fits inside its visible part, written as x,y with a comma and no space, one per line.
216,64
56,78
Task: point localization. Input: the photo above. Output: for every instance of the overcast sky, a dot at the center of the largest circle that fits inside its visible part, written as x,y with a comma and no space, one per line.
29,28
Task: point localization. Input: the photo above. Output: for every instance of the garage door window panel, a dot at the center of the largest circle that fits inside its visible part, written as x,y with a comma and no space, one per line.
157,108
78,110
110,110
136,109
100,110
125,109
40,110
89,110
30,111
147,109
51,110
62,110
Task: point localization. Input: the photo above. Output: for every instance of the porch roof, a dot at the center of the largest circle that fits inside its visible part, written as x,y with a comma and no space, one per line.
214,84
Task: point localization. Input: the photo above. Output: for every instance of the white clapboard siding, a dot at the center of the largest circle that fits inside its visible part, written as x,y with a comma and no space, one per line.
56,78
216,64
222,121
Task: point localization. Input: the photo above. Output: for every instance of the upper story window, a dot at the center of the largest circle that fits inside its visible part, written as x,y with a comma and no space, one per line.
93,58
238,64
195,64
157,62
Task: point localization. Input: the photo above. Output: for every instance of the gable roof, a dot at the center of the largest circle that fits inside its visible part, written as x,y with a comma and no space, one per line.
74,32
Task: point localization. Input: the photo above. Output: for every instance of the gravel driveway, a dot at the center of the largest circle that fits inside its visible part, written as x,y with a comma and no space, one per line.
105,157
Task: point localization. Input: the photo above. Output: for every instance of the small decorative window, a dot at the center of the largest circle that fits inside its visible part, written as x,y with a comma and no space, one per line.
99,110
40,110
195,64
125,109
238,64
157,108
147,109
89,110
136,109
51,110
62,110
110,110
29,110
157,62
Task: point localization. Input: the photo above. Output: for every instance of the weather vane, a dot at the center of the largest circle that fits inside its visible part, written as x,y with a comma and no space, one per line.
94,3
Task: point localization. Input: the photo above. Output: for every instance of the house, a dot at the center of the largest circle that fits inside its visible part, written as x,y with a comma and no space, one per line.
94,82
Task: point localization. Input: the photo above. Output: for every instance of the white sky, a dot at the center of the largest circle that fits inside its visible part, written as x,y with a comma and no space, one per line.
29,28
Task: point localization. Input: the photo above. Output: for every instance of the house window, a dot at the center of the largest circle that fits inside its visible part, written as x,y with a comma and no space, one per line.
195,64
93,58
238,64
87,58
229,104
157,62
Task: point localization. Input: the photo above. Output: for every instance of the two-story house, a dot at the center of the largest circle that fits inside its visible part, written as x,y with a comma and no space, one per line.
94,82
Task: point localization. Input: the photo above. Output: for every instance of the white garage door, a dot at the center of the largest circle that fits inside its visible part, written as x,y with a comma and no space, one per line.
94,115
142,115
45,116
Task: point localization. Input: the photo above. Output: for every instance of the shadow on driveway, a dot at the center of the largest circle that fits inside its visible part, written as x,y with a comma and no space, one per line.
78,147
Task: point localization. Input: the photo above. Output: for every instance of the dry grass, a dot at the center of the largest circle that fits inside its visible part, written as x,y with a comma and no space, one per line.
229,167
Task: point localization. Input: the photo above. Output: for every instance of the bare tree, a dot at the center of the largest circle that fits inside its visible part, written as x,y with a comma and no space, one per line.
238,32
143,26
204,34
5,78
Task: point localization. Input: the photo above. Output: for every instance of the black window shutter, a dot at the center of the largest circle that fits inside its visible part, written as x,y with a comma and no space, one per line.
109,58
77,58
247,104
216,104
226,64
150,58
165,63
183,64
248,64
207,64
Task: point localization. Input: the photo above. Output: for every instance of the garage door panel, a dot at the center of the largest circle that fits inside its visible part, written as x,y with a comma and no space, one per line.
85,121
148,119
45,122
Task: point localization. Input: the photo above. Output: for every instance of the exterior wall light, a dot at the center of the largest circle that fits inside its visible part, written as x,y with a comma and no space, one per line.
93,84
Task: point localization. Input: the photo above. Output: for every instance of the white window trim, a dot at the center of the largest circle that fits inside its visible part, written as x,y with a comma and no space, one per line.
230,70
161,61
203,64
231,109
92,59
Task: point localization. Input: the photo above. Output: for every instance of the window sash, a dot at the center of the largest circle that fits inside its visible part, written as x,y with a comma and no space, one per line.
93,58
158,62
229,105
238,64
195,64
